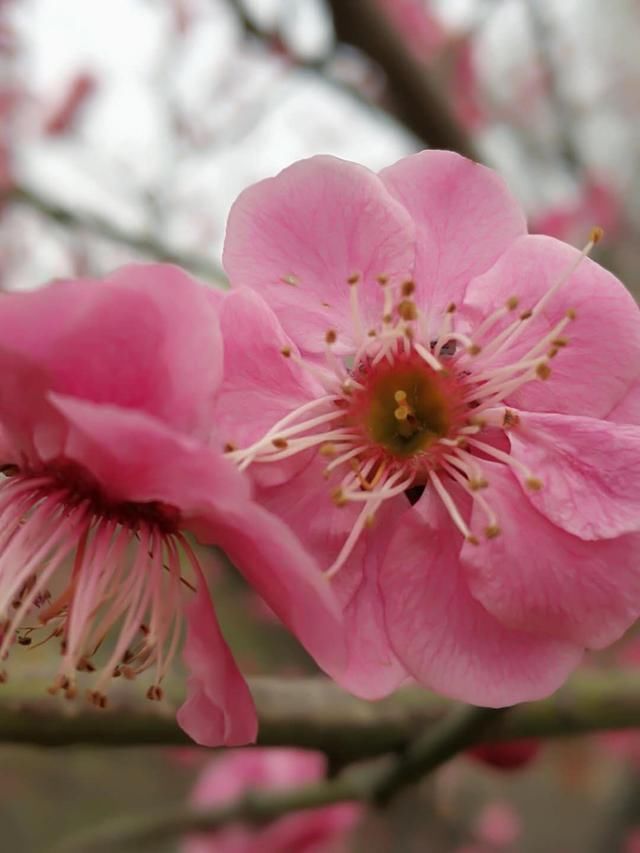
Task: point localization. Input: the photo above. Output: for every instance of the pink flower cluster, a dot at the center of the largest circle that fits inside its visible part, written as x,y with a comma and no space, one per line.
321,830
413,427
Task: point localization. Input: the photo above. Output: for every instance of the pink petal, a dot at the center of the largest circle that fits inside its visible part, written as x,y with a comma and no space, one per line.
135,458
260,385
594,372
297,238
444,637
146,338
305,504
535,576
627,411
219,710
465,216
590,471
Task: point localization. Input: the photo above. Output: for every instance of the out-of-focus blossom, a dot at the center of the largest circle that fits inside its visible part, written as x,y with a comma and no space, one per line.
596,203
107,389
418,26
443,407
498,825
512,755
65,114
321,830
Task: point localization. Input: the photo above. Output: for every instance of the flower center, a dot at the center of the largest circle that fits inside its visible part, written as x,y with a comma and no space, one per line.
105,579
407,409
404,407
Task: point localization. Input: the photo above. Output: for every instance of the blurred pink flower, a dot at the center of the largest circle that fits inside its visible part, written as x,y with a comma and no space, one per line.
65,114
393,345
596,203
107,390
321,830
418,26
498,825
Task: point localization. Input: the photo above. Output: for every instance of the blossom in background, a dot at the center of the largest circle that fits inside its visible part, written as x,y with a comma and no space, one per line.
445,409
321,830
64,115
596,201
107,389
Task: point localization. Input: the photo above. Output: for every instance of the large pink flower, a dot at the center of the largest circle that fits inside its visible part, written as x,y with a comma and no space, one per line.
107,390
449,411
315,831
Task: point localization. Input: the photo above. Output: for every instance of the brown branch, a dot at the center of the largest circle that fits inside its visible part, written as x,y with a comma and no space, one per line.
419,103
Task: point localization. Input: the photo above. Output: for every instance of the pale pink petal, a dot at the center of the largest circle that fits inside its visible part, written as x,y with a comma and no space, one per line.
627,411
590,471
306,506
297,238
536,577
219,710
445,638
145,338
260,384
137,459
591,374
465,218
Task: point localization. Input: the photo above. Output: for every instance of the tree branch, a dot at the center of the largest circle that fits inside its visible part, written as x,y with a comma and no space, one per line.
316,714
146,244
419,103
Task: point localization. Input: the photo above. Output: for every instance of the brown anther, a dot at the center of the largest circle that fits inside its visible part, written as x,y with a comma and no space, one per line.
492,531
280,443
144,629
408,287
474,349
128,672
24,641
369,521
512,303
4,676
533,483
347,389
330,336
96,698
476,420
477,485
596,234
451,307
354,278
291,280
328,450
571,313
382,279
85,665
510,419
387,318
552,353
229,447
117,672
461,441
472,540
70,691
155,693
560,342
372,333
543,371
526,314
339,497
286,351
407,310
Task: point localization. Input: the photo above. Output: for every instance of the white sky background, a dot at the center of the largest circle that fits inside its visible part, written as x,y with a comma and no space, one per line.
125,165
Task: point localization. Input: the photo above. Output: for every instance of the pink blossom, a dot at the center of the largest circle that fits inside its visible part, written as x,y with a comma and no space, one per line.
320,830
65,114
445,409
498,824
596,202
417,25
107,390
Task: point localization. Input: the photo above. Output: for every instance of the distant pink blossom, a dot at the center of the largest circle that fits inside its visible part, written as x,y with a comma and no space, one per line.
107,389
418,26
597,203
321,830
498,825
445,409
66,112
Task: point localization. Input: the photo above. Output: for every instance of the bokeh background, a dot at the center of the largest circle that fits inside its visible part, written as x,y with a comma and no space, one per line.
128,127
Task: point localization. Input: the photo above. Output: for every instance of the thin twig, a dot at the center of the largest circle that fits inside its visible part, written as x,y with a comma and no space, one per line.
146,244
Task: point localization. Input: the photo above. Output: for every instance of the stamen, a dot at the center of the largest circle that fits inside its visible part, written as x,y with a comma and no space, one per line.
451,508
